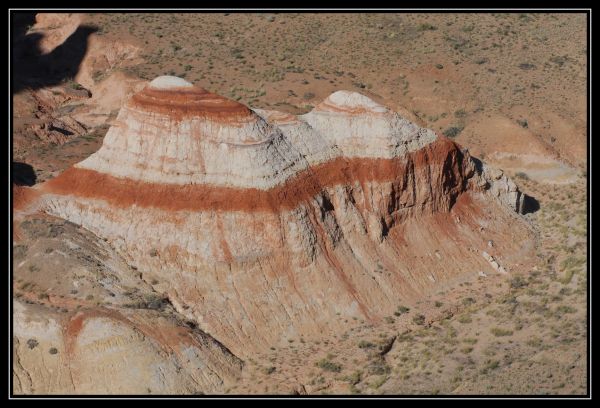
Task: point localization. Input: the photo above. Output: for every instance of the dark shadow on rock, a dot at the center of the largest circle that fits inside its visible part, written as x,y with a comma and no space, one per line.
33,69
530,204
23,174
478,164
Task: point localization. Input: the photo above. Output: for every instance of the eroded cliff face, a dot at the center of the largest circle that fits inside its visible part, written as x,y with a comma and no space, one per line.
262,226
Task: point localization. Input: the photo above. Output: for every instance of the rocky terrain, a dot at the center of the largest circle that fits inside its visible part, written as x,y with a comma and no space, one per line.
176,241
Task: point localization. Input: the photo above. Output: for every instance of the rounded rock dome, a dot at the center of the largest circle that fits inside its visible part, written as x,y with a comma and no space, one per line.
169,82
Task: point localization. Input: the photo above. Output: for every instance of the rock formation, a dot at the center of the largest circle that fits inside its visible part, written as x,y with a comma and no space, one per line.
263,226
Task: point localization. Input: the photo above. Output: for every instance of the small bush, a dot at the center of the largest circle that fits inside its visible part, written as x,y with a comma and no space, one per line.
518,282
500,332
419,319
562,309
379,382
453,131
521,175
572,262
327,365
526,66
379,367
354,378
365,344
465,319
427,27
490,365
460,113
402,310
468,301
75,85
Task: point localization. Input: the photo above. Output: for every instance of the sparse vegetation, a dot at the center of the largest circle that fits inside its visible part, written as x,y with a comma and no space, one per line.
328,365
419,319
453,131
500,332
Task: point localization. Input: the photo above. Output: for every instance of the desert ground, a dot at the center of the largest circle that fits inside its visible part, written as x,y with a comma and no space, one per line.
509,87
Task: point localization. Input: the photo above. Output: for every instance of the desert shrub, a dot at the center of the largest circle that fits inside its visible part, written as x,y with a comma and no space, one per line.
75,85
526,66
379,382
517,282
453,131
403,309
572,262
427,27
521,175
468,301
365,344
328,365
490,365
379,367
500,332
461,113
419,319
523,123
465,319
354,378
562,309
560,61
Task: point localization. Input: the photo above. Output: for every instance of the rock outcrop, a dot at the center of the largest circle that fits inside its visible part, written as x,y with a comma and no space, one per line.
110,352
263,226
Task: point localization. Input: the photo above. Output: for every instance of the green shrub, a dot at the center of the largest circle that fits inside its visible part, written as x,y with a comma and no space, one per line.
500,332
419,319
460,113
465,319
327,365
427,27
453,131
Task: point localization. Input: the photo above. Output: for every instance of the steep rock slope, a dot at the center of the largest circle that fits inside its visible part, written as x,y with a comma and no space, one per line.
262,226
85,322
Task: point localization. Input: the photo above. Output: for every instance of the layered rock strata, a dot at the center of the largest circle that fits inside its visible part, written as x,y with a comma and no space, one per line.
263,226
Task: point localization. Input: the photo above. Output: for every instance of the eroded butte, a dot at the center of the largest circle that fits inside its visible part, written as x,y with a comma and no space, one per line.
262,226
